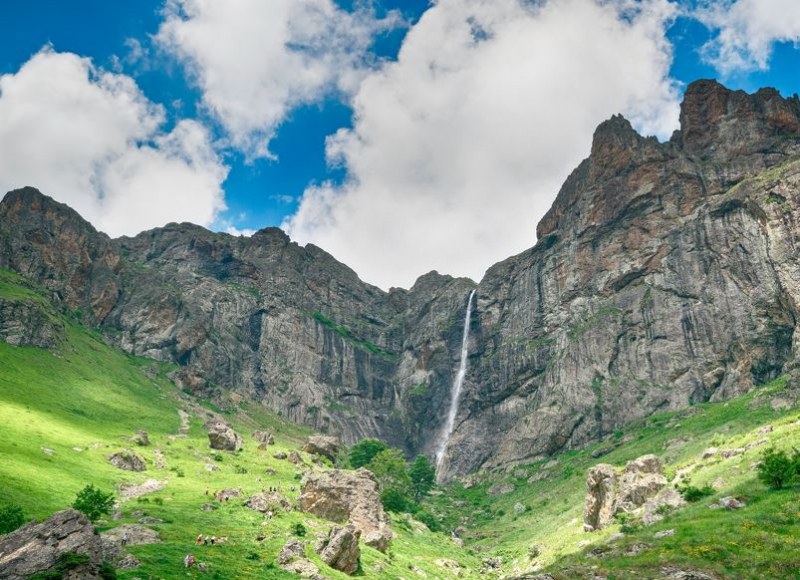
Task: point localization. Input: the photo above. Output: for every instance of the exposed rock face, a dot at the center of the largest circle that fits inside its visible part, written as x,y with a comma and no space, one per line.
348,496
601,497
27,322
322,445
292,557
223,437
340,551
664,274
640,489
127,460
38,547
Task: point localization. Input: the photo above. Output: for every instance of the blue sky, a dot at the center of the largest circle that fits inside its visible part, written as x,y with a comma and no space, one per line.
259,167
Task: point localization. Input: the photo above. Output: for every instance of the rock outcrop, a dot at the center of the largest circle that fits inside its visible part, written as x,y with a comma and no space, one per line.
340,550
292,557
348,497
127,460
322,445
640,490
268,502
664,274
48,547
222,436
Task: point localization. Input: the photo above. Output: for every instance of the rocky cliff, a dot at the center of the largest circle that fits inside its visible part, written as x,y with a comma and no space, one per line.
664,274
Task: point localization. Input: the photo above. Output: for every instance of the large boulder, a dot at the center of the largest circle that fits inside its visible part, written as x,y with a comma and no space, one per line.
42,548
340,551
642,480
323,445
268,502
222,436
601,497
667,499
127,460
348,496
292,557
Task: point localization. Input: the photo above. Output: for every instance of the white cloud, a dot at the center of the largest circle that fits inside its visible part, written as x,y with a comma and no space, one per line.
747,31
460,146
91,139
256,60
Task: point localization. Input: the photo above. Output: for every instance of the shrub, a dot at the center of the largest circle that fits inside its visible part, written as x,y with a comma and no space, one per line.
423,476
240,470
692,494
11,518
777,469
299,530
217,457
428,519
93,502
394,500
364,451
107,571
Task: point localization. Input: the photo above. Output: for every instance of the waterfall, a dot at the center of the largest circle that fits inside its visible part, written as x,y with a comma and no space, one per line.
455,390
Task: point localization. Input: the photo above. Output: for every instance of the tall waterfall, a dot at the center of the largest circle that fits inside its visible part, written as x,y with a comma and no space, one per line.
455,390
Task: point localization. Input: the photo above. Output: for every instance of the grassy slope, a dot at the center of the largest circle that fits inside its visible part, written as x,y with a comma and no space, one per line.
85,400
759,541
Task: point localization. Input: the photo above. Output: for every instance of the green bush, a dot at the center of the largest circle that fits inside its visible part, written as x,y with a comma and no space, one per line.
778,469
423,476
11,518
107,571
364,451
299,530
692,494
428,519
93,502
395,500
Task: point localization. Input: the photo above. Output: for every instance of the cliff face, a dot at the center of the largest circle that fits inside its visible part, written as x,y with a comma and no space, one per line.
665,273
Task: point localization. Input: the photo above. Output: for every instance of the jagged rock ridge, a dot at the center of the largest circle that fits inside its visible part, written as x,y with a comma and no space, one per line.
664,274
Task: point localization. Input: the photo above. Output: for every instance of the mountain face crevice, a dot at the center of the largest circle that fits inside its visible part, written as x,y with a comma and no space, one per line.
664,274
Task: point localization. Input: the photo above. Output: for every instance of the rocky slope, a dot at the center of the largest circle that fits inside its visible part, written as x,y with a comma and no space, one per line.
665,273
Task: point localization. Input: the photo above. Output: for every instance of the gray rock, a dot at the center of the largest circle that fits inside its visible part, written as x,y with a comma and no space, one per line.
141,438
127,460
601,497
340,550
37,547
221,436
664,534
500,489
323,445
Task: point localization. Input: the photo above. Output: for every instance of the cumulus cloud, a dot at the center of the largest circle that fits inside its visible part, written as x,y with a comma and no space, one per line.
91,139
747,31
460,146
255,61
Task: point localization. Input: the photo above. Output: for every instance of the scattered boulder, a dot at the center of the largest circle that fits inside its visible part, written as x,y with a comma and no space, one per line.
492,565
227,494
211,467
500,489
643,479
676,574
208,507
263,438
141,438
42,548
268,502
323,445
348,496
222,436
279,455
150,521
601,497
340,551
138,535
728,503
294,458
129,490
292,557
127,460
664,534
668,498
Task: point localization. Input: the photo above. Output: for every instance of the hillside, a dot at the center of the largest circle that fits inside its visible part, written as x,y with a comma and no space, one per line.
64,410
664,275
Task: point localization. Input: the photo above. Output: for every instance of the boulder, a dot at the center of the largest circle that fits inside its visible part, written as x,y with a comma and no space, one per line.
227,494
138,535
42,547
323,445
279,455
263,438
222,436
268,502
294,458
141,438
643,478
348,496
340,551
653,508
601,497
292,557
500,489
127,460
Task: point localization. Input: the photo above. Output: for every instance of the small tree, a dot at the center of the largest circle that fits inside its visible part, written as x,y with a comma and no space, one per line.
364,451
423,476
394,500
93,502
777,469
391,470
11,518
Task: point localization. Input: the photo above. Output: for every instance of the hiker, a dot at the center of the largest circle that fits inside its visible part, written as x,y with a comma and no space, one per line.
188,561
199,539
213,540
124,541
205,540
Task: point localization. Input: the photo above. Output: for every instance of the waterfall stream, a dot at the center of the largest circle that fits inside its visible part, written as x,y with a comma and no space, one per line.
455,390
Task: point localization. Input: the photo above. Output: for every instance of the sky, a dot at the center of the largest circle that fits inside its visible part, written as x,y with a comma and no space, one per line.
401,136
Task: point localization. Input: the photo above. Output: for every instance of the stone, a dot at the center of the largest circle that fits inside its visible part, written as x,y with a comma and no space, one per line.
729,503
211,467
263,438
664,534
643,478
127,460
294,458
500,489
601,497
348,497
340,550
141,438
221,436
37,547
279,455
292,557
138,535
323,445
268,502
668,498
208,507
48,451
227,494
